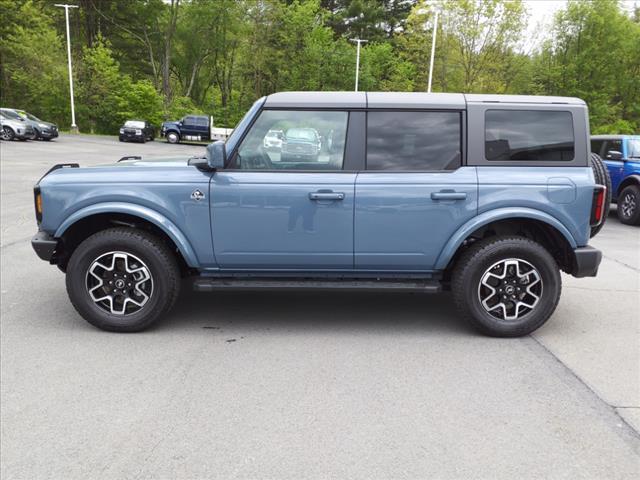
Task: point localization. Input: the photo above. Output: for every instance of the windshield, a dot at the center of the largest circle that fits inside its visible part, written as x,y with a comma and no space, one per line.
634,148
30,117
134,124
301,134
242,125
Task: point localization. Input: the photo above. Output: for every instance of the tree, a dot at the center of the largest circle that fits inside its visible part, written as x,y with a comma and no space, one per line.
32,77
593,54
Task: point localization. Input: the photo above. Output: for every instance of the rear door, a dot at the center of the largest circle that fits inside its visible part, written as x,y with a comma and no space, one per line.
270,212
414,193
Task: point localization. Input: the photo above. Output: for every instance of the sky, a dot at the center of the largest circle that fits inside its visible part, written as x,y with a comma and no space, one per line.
542,13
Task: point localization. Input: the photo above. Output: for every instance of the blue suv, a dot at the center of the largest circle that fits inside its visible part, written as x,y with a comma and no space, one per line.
487,196
621,154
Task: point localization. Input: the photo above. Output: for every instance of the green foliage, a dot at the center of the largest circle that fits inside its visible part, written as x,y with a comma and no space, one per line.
33,71
161,59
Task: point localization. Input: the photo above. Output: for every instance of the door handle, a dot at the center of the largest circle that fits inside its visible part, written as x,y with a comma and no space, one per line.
326,196
448,195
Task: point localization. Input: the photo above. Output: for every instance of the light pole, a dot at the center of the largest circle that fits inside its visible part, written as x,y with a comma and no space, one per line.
433,50
358,41
74,127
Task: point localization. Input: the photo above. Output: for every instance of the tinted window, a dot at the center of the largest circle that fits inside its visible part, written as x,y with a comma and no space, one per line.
596,146
202,121
294,140
413,140
528,135
615,145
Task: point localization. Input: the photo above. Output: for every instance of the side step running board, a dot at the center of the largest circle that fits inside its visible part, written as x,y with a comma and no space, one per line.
214,284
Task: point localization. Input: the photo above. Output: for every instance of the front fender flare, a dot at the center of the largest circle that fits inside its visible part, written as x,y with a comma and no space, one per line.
159,220
485,218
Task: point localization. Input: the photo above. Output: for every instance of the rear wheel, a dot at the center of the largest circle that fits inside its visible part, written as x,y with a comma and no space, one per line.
506,286
602,177
629,205
122,279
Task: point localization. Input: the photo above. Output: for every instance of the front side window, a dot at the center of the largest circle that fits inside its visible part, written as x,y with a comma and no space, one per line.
634,148
534,135
613,146
294,140
410,141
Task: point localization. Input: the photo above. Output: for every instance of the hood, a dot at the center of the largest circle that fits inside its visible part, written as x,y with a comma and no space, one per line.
134,171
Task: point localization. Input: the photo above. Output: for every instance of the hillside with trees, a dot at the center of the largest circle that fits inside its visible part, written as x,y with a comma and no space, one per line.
158,59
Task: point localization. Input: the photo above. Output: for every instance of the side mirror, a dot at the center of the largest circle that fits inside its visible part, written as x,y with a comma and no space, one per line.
614,155
216,155
213,160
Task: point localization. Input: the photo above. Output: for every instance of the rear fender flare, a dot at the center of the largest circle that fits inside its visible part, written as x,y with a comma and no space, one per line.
485,218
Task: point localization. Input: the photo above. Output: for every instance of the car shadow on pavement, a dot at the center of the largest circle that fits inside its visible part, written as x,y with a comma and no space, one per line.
242,312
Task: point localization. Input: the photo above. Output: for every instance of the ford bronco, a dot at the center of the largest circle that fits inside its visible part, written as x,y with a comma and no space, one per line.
487,196
621,155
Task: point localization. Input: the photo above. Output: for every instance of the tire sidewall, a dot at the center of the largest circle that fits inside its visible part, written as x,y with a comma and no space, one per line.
551,285
8,134
173,137
635,215
77,269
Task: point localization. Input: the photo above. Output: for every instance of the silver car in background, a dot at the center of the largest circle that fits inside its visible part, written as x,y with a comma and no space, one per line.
17,128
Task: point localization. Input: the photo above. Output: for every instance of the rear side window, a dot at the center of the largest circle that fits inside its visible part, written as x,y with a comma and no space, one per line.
402,141
596,146
528,135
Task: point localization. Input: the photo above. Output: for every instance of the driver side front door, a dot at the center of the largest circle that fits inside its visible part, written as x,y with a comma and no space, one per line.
270,212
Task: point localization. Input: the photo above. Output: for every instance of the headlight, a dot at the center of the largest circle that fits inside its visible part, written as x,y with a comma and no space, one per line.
122,130
138,132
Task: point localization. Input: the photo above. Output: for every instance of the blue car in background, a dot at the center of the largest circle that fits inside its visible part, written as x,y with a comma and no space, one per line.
621,154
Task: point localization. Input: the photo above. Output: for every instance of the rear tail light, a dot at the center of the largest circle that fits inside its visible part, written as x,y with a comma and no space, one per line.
597,206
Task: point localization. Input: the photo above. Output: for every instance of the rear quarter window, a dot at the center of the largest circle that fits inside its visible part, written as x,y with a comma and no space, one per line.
529,135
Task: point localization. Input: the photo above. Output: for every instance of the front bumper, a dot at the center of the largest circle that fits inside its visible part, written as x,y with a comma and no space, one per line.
44,245
586,261
48,133
131,137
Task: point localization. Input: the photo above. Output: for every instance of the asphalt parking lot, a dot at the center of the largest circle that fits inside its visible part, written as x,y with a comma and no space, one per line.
314,385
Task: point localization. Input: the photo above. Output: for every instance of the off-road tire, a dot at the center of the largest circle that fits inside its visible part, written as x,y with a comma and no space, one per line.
629,215
602,177
475,261
155,254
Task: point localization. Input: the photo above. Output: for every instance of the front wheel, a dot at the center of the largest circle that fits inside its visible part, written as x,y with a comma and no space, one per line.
122,279
629,205
506,286
173,137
